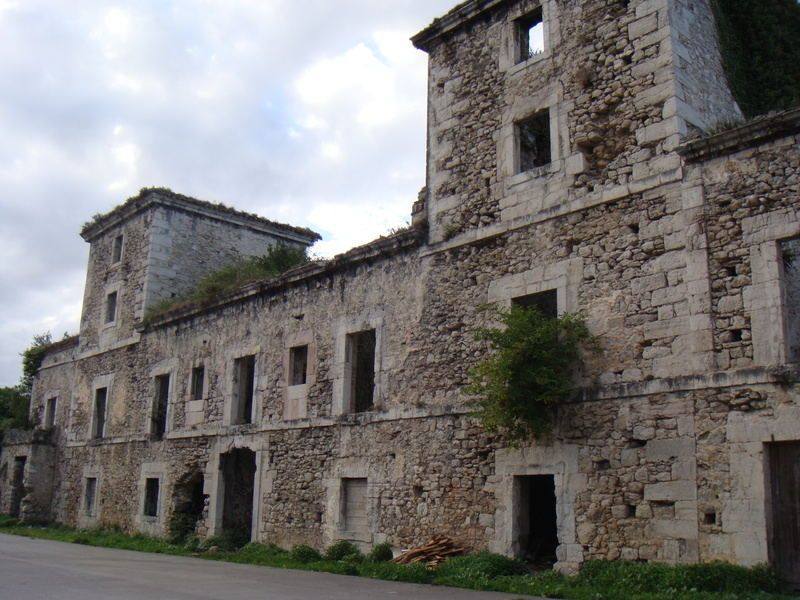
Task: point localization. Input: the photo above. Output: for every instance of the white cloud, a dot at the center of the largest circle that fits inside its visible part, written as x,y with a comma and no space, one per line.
274,107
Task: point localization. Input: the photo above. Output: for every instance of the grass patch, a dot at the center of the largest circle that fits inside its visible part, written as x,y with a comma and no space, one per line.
278,260
483,571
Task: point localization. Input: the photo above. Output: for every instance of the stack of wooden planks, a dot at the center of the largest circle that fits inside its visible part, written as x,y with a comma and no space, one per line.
433,554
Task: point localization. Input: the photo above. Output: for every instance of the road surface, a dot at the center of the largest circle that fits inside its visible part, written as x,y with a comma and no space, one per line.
45,570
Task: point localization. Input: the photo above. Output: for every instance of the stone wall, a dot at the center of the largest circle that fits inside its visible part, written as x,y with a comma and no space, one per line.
673,251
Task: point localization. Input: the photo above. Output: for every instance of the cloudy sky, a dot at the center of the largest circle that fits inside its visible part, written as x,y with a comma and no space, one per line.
310,112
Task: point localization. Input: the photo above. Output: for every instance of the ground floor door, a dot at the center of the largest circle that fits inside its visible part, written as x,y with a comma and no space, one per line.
239,473
536,520
785,527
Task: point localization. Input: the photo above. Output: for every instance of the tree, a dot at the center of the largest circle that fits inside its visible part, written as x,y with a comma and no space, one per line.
13,409
761,52
32,360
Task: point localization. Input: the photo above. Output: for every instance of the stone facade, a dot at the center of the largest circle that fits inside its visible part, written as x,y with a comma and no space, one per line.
680,253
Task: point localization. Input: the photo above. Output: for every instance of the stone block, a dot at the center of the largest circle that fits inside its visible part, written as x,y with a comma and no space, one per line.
671,491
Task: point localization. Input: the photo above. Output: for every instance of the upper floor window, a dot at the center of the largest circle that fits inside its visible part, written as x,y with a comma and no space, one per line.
100,409
111,308
244,385
545,302
151,493
198,382
50,412
530,35
360,370
790,253
158,419
533,141
116,251
298,365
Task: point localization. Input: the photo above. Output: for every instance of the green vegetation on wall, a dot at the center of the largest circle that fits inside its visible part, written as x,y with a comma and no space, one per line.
278,260
529,372
761,51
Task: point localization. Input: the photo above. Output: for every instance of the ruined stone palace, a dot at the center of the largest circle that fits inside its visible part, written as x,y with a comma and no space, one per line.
582,154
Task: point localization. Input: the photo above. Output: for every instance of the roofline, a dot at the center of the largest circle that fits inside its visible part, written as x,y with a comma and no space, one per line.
459,16
381,248
149,197
61,345
753,133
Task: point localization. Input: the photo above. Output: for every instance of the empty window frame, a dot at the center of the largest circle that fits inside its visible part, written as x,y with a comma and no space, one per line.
354,505
151,492
244,384
90,496
158,417
360,351
530,35
50,412
545,302
790,253
533,141
111,307
298,365
100,410
116,251
198,382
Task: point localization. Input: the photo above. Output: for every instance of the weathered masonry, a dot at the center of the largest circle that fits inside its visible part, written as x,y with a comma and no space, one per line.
570,167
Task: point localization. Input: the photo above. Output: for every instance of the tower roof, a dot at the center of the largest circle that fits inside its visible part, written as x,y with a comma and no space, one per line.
164,197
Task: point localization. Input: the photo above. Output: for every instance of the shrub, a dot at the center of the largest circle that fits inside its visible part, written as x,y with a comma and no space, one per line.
229,541
466,571
387,571
181,526
340,550
381,553
304,554
530,371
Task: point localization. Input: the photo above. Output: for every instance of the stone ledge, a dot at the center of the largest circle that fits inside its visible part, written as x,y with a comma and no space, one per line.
749,135
406,240
165,197
457,17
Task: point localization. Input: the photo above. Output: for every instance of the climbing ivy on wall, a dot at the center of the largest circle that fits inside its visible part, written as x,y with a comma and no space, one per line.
530,370
761,51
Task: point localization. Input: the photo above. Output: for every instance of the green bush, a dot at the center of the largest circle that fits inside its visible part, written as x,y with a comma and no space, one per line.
229,541
181,526
467,571
381,553
340,550
529,372
305,554
387,571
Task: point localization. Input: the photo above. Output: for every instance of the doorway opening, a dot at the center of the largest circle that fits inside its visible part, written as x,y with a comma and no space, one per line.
239,475
784,464
189,504
536,520
18,485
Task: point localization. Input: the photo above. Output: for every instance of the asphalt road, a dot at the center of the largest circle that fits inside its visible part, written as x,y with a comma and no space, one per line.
44,570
